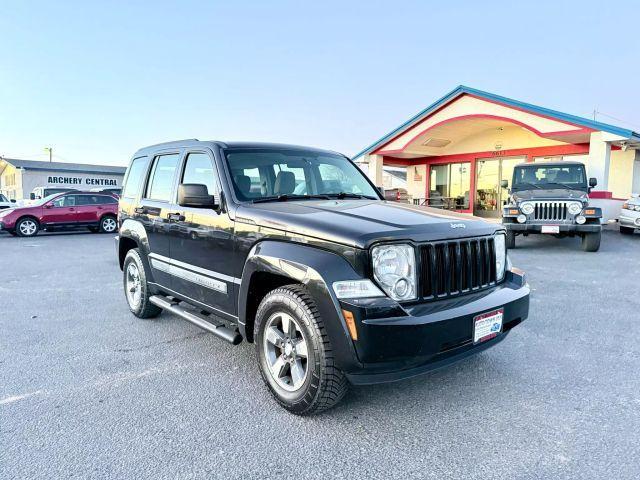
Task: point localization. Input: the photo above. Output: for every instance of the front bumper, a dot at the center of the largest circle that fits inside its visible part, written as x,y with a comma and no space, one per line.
564,228
628,218
396,342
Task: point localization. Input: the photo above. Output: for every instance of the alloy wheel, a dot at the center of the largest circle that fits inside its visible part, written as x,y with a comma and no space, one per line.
28,228
133,287
285,349
109,225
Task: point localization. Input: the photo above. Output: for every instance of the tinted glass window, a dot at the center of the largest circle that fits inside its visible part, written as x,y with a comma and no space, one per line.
3,198
135,174
65,201
553,176
161,181
106,200
90,200
199,169
261,173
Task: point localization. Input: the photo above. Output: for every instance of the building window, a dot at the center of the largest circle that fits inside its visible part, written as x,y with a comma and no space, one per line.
449,186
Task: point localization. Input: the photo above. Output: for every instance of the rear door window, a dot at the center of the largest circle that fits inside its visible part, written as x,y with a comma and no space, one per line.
161,180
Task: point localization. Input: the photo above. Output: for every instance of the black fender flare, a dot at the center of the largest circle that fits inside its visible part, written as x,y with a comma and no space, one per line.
316,269
135,231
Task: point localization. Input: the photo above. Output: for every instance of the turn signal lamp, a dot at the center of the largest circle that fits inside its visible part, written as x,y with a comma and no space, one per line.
351,324
589,211
514,211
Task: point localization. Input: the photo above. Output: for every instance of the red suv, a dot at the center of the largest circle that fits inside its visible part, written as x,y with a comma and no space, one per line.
97,211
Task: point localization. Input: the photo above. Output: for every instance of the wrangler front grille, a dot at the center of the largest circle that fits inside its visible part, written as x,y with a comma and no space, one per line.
455,267
553,211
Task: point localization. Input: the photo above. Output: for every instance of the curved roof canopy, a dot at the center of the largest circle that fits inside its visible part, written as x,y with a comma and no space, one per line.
466,113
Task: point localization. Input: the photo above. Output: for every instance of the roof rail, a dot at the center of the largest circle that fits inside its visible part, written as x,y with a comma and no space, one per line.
174,142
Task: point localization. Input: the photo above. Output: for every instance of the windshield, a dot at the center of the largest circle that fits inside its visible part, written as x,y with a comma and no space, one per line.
549,176
44,200
264,174
3,198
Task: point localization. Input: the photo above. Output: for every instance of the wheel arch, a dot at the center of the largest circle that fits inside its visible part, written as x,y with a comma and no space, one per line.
29,216
272,264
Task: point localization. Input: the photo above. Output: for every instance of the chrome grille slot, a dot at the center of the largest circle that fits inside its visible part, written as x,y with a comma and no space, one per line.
455,267
550,211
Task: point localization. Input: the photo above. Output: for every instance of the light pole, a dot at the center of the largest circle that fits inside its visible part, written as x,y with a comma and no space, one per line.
50,150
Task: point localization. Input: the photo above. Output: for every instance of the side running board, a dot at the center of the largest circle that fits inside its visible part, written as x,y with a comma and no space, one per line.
208,324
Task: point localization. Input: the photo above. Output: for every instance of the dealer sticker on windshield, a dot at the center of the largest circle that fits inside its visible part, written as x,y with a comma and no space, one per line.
487,325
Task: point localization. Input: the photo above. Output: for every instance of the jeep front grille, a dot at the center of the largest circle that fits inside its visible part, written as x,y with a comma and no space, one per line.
455,267
550,211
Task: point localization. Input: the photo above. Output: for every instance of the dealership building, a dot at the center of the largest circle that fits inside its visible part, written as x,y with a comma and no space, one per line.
457,151
19,177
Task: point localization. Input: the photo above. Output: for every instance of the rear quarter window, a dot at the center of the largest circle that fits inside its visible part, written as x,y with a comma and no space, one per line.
134,177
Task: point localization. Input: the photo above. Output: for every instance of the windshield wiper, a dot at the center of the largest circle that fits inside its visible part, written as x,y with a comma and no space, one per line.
285,197
342,195
564,185
526,183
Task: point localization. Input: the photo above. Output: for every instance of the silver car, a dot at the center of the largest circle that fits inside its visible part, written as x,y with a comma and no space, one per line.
630,215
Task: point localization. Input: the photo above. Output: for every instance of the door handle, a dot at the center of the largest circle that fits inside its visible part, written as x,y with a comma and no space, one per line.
178,217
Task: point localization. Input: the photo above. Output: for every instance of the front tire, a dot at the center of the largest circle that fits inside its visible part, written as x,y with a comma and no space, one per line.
510,241
591,241
294,352
136,287
27,227
626,230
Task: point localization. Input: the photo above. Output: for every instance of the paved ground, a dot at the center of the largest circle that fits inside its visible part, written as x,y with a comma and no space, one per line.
89,391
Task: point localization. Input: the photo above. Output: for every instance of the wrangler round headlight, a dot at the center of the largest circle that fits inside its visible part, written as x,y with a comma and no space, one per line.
526,208
521,219
581,219
394,268
574,208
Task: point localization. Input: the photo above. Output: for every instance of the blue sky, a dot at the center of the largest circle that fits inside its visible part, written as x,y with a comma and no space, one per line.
97,80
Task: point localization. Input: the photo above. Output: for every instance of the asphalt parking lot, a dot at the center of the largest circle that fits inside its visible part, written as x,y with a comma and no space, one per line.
89,391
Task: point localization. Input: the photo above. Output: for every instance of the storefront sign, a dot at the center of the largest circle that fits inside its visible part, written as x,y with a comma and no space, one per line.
89,181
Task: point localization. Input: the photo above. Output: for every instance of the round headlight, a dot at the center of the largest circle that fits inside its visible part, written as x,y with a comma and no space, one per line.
521,219
637,208
637,221
526,208
580,219
574,208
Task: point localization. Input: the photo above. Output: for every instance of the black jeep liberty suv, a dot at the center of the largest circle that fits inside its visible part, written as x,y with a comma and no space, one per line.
552,198
295,250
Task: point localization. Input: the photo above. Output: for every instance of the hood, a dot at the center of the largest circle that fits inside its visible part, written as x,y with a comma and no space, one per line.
550,194
360,223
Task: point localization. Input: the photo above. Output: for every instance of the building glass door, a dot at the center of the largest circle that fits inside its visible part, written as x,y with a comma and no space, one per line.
489,195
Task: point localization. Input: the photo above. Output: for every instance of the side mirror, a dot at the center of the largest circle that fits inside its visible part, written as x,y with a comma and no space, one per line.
48,205
593,182
13,200
504,183
195,195
32,196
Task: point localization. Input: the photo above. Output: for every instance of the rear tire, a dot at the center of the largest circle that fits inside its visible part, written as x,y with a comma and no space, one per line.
510,241
626,230
27,227
295,356
591,241
136,288
108,224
